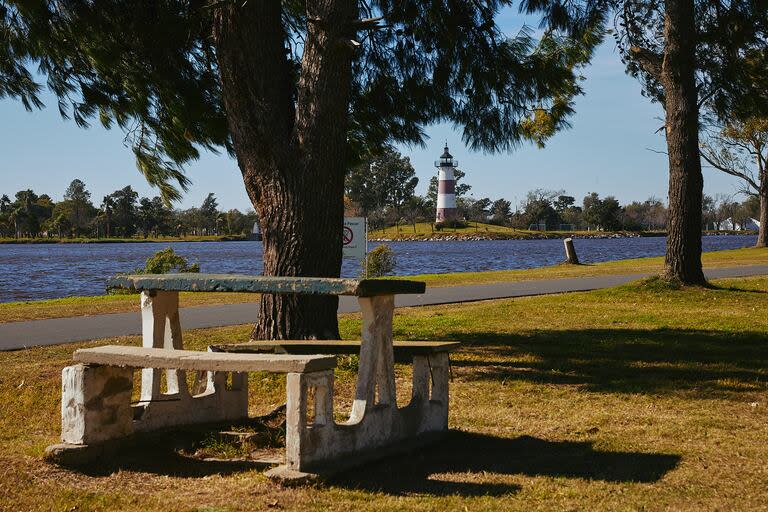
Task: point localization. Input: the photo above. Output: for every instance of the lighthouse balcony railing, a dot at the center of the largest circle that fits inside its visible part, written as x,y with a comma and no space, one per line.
452,163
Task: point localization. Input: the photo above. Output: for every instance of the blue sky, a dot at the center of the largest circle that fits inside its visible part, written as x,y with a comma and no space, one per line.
605,151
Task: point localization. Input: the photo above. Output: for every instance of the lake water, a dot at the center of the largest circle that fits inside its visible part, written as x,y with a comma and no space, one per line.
41,271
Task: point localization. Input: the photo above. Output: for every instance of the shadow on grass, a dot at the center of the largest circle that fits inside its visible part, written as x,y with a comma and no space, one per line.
620,360
168,463
165,453
458,466
737,289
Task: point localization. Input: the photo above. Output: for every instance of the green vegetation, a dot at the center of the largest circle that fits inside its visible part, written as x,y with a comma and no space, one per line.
621,399
122,216
165,261
427,230
380,262
75,306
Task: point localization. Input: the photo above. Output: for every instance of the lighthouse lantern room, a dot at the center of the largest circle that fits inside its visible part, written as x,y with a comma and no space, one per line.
446,187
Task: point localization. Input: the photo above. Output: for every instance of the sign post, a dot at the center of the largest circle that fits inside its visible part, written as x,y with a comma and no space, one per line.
355,238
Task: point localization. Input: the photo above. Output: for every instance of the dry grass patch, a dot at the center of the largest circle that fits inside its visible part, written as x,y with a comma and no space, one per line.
621,399
104,304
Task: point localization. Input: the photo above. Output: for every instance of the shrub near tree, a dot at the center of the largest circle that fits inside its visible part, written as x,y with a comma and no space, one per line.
167,261
381,261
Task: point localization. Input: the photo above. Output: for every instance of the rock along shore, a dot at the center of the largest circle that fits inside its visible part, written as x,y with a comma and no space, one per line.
441,236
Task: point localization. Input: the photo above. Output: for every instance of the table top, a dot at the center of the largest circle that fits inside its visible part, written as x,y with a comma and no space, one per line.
189,282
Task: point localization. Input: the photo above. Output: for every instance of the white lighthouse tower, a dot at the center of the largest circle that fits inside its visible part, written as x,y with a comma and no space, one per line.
446,187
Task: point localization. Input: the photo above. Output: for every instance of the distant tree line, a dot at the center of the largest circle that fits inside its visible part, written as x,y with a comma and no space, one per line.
384,190
121,214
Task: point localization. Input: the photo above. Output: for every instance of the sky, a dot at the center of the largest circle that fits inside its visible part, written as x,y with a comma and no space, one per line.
612,148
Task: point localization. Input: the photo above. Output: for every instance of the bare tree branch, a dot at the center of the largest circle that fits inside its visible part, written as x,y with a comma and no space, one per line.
712,161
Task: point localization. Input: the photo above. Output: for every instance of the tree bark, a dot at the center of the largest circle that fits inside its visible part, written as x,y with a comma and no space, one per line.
683,254
762,239
290,144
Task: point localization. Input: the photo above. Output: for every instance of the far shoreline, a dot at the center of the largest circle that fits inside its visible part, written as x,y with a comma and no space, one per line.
85,241
379,237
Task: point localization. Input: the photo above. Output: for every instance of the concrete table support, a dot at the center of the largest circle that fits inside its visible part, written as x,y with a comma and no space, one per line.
315,444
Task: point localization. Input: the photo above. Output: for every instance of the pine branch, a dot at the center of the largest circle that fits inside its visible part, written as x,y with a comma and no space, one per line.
648,60
368,24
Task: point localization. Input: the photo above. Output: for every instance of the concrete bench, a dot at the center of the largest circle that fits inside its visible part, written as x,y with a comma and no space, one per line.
376,426
404,351
96,392
315,443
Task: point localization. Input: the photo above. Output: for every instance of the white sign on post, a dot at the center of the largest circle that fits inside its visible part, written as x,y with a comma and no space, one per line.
355,238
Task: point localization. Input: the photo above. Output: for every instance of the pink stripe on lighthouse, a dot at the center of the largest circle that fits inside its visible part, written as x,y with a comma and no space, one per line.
446,188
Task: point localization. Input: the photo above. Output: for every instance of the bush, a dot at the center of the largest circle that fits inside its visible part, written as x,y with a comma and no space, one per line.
381,261
162,262
166,261
456,224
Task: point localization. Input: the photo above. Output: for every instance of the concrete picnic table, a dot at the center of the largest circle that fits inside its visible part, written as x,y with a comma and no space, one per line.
315,443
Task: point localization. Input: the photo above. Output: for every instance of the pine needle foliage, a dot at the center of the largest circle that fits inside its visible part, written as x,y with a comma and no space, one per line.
150,69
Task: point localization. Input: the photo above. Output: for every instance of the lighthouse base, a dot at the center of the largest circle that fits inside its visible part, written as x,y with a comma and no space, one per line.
446,214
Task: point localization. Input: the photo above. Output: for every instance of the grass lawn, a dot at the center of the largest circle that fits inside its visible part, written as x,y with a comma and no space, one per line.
424,228
77,306
103,304
632,398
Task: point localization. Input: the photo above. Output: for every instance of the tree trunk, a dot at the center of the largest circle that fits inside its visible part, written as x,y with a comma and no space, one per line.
762,239
292,156
683,255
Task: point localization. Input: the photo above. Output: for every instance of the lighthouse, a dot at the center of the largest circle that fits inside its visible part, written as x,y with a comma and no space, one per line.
446,187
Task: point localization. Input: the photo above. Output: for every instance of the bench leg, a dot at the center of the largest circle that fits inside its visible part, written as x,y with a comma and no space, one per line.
430,390
96,403
302,445
422,380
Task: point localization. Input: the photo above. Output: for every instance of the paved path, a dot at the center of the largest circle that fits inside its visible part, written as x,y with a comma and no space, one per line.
16,335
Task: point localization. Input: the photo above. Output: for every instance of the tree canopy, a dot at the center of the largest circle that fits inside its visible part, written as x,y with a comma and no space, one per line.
151,68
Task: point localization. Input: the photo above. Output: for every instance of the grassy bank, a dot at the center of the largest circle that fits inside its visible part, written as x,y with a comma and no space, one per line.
479,230
626,399
216,238
76,306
